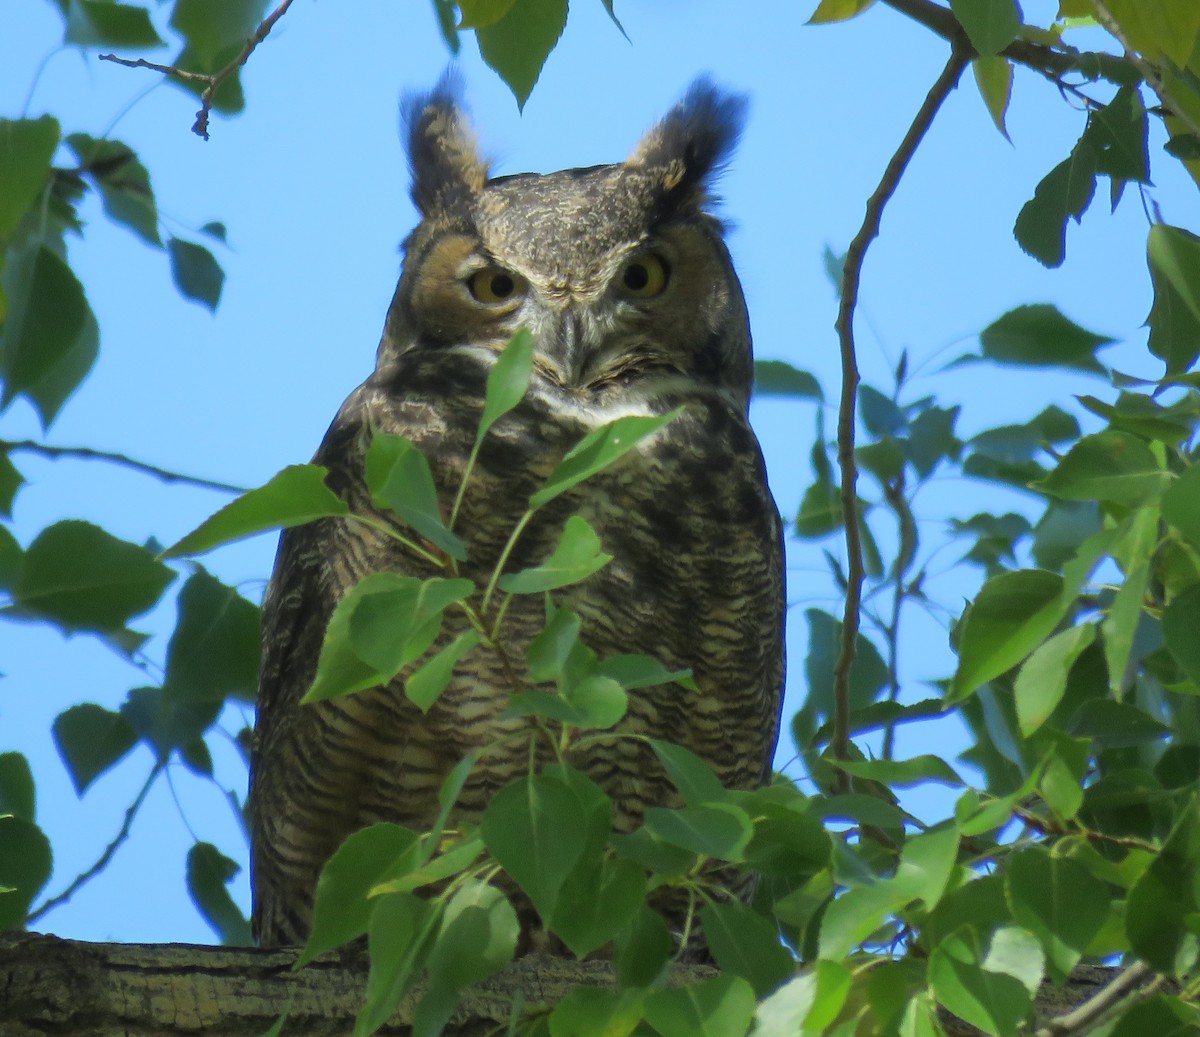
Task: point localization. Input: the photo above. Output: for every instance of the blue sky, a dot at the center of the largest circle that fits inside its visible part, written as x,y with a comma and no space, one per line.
312,185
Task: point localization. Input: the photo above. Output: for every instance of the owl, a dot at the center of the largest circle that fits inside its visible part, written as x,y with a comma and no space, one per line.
621,275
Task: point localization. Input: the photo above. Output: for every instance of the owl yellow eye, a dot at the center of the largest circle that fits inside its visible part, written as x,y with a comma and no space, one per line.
494,286
644,276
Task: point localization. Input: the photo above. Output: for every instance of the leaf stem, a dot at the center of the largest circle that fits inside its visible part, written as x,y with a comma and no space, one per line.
390,531
960,56
103,860
518,529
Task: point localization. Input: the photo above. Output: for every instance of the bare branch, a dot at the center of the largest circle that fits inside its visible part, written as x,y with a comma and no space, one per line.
86,453
960,56
1085,1016
102,861
212,80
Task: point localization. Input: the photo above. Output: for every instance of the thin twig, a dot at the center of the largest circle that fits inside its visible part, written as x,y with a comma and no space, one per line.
960,55
86,453
104,858
214,79
1086,1015
1150,74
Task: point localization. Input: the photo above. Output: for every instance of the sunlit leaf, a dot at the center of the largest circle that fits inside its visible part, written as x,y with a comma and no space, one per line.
508,379
993,1001
433,676
400,478
293,497
993,77
807,1004
577,556
26,148
838,10
1042,680
990,25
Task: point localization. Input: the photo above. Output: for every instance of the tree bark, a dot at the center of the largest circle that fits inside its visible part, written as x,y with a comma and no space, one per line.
65,988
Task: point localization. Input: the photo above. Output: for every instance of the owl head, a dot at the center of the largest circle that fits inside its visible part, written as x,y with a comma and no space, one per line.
620,272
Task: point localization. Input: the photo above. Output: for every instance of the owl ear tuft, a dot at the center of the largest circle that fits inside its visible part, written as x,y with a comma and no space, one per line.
443,155
690,147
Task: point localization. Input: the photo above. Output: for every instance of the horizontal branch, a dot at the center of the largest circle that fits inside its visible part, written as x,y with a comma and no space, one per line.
87,453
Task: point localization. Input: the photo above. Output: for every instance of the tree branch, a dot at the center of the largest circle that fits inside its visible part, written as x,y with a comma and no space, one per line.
1086,1015
86,453
941,20
214,79
960,55
101,862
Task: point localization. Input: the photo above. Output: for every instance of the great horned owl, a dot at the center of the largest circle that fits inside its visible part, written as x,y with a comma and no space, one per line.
622,277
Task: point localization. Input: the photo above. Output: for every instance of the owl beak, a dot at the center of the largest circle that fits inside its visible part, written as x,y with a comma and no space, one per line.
564,347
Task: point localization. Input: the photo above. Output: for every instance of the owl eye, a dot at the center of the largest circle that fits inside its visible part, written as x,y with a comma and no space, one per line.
644,276
494,286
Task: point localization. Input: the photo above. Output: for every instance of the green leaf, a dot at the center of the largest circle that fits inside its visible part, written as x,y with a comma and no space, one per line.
517,45
596,902
534,829
211,28
993,77
903,773
576,557
214,648
400,931
341,909
991,25
1181,504
293,497
395,621
548,652
926,864
1173,256
868,675
715,1007
102,23
745,944
25,864
779,378
598,450
838,10
11,480
123,182
1109,466
208,873
1180,624
696,781
596,1012
82,578
478,937
653,853
1162,904
26,149
197,275
1162,1016
1062,194
166,722
601,701
1040,336
478,13
643,948
640,671
1118,133
90,739
17,794
508,380
400,478
807,1004
433,676
49,338
1057,900
1012,614
713,830
995,1002
1042,680
1115,724
1134,552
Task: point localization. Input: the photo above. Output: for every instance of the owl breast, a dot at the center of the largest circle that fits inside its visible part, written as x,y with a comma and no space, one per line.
622,278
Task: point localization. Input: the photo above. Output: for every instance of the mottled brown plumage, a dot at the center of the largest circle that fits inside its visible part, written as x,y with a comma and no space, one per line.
623,278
